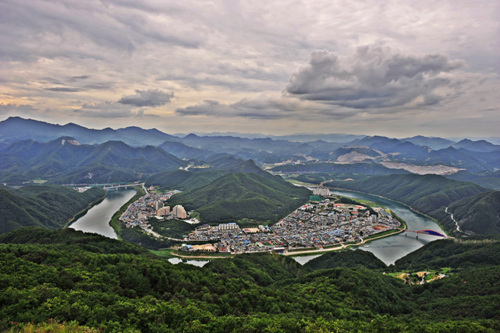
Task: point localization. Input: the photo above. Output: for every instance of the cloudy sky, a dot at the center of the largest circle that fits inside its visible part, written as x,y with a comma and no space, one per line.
393,68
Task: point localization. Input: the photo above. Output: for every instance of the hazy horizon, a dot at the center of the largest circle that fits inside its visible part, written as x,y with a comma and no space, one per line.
396,69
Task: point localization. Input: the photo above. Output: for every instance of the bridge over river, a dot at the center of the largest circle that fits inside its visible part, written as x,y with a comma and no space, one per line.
108,186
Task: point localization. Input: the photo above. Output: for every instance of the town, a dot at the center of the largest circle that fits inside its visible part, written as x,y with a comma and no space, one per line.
325,221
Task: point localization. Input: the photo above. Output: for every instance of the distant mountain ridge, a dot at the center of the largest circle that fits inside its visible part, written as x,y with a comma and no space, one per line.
475,158
16,129
65,160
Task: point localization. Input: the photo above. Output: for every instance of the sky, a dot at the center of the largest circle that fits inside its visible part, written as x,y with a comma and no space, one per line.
392,68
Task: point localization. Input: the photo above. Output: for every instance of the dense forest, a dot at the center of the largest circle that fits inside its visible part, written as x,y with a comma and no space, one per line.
479,214
81,280
47,206
239,195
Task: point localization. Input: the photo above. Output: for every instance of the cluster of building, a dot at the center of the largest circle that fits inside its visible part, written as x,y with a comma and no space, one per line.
315,225
151,205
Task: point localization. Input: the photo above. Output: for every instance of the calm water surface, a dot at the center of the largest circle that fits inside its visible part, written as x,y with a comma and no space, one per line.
392,248
97,218
199,263
387,249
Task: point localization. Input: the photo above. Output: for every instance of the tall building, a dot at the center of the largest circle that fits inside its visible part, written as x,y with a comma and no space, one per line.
163,211
179,212
158,204
321,191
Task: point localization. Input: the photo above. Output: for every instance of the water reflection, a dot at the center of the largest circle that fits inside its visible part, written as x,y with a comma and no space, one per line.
199,263
392,248
97,218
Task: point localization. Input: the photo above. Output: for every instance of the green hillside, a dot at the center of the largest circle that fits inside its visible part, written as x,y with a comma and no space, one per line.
429,194
182,179
479,214
46,206
218,167
474,252
347,259
243,195
354,170
88,280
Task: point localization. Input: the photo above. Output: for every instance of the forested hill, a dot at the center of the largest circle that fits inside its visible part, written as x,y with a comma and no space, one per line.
478,214
45,206
347,259
80,280
429,194
475,251
217,167
243,195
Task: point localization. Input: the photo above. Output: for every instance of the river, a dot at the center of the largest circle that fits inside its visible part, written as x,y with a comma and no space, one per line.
97,218
392,248
387,249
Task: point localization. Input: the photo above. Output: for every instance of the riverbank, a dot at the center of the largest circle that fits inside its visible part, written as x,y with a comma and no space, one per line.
115,222
84,211
300,252
397,201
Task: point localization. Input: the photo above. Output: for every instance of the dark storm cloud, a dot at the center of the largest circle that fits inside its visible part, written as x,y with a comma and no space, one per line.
373,78
151,97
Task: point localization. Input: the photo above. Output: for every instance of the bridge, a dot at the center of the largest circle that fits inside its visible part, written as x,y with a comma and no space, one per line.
427,232
107,186
116,187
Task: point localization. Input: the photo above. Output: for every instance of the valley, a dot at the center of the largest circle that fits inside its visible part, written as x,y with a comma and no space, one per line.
228,166
240,208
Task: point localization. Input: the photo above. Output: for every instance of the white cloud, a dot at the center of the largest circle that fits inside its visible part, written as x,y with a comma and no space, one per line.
239,53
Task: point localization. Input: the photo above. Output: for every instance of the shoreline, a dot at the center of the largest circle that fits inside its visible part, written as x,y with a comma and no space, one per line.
84,211
301,252
399,202
115,222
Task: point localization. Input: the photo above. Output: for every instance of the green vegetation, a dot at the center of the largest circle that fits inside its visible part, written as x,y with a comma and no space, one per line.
88,281
136,235
51,207
486,179
171,228
474,252
429,194
115,222
347,259
52,326
65,161
183,180
319,172
243,195
479,214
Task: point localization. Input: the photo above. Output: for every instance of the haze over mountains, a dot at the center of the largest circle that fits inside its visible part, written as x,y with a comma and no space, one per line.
202,166
474,156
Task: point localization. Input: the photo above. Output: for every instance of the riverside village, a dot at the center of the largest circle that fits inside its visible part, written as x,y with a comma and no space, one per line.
325,221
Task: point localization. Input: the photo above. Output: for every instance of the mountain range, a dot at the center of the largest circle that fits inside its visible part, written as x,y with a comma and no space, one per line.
471,156
66,160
